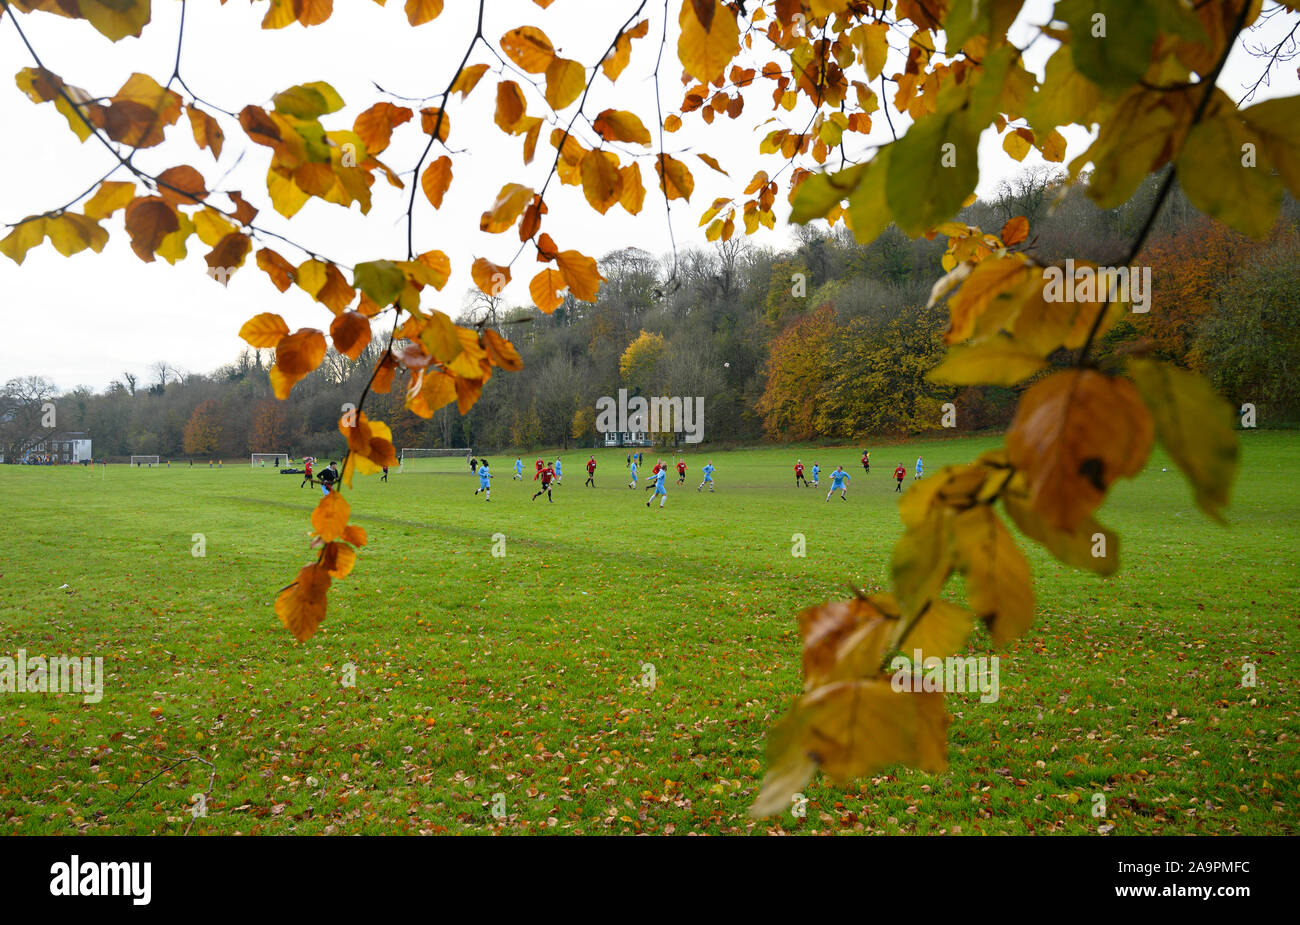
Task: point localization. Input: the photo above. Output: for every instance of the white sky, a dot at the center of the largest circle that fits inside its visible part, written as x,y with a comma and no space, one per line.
85,319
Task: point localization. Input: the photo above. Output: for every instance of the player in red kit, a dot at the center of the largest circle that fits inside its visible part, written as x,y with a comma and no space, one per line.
681,472
548,475
591,472
798,474
900,473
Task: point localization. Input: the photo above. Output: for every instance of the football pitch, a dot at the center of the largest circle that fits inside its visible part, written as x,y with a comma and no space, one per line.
591,666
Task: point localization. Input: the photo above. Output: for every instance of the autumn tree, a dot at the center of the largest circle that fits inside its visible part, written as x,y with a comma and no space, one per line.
640,360
796,375
877,110
270,428
203,429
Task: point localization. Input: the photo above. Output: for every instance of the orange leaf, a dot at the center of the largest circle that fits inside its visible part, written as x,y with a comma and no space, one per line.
1015,231
501,352
545,290
331,516
338,559
436,179
580,274
228,256
602,183
674,177
419,12
491,278
301,606
207,133
468,79
375,125
299,353
281,271
510,105
351,333
620,125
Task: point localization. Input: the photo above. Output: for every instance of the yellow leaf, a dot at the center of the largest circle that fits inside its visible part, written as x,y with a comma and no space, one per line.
1196,427
674,177
998,585
509,204
705,48
621,125
633,195
1000,361
602,183
436,179
922,561
545,289
529,48
580,274
565,81
419,12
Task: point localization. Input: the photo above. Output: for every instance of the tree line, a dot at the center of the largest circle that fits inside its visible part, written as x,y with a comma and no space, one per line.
825,339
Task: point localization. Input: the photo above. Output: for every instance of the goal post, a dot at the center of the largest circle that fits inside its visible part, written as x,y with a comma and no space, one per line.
273,459
411,453
149,461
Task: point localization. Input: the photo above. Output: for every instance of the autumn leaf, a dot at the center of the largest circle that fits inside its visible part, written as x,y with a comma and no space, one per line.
602,183
1014,231
674,177
998,584
621,125
849,729
264,330
331,516
381,280
545,289
338,559
281,271
843,640
510,202
490,278
375,125
565,81
301,606
111,196
1000,361
419,12
1074,434
350,332
501,352
207,131
633,196
227,256
116,19
1195,426
617,59
580,274
468,79
436,179
529,48
299,353
710,38
148,220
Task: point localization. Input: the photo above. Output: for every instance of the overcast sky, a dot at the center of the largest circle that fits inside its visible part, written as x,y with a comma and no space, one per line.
83,320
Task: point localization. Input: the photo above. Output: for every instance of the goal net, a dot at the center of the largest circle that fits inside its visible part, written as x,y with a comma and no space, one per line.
424,459
271,460
144,460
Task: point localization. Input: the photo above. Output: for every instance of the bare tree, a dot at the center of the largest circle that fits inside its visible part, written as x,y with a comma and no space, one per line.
24,417
128,383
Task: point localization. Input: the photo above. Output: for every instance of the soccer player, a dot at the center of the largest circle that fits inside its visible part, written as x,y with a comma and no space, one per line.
798,474
473,465
654,474
866,462
329,477
540,466
708,476
681,472
919,467
519,468
591,472
816,471
485,480
839,480
547,474
662,492
559,476
632,466
307,463
900,473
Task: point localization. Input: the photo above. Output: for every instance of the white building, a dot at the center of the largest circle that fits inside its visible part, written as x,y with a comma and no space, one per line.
71,447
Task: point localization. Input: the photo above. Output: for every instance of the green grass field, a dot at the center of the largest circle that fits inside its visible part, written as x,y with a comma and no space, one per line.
523,675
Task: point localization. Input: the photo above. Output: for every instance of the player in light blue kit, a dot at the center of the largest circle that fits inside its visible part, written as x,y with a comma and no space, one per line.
632,465
918,468
839,482
559,477
519,468
660,490
816,471
484,480
708,476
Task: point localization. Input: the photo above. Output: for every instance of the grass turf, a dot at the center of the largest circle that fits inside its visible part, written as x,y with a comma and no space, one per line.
513,692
